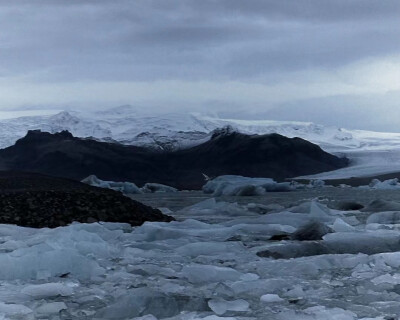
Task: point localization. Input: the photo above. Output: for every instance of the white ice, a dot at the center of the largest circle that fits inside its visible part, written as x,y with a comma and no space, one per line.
376,184
128,187
209,269
231,185
124,187
157,187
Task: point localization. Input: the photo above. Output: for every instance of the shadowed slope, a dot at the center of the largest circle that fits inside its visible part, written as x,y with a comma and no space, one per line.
228,152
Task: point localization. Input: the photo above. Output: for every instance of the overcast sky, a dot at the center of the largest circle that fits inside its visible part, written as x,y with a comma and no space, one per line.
331,61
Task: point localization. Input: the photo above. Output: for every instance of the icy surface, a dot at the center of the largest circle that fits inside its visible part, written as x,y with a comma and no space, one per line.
219,260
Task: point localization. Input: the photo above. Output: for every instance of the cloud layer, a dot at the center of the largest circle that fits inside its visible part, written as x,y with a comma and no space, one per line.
188,54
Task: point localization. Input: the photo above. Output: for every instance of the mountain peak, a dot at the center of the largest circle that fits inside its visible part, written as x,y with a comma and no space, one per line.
227,130
40,135
64,117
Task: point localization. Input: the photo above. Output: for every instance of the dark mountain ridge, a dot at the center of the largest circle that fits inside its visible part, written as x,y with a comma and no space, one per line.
227,152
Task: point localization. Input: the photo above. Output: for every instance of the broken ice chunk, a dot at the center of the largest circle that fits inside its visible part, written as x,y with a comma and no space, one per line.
271,298
340,226
387,278
51,308
221,306
47,290
215,318
146,317
197,273
208,248
389,217
14,310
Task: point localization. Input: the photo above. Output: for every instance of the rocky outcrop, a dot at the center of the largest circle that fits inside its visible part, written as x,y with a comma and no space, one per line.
32,200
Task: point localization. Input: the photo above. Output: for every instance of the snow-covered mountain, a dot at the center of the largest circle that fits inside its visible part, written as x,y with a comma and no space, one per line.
371,152
173,130
121,125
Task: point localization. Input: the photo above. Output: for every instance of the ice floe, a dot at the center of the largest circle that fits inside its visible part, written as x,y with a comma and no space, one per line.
124,187
157,187
376,184
127,187
216,262
231,185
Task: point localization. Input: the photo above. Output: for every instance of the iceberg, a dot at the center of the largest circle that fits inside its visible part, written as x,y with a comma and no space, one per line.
124,187
271,298
127,187
47,290
231,185
221,306
376,184
157,187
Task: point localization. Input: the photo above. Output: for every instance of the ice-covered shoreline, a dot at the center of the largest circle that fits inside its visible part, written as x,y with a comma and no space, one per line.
208,269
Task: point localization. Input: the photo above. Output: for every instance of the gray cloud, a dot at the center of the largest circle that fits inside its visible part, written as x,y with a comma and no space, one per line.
205,39
263,42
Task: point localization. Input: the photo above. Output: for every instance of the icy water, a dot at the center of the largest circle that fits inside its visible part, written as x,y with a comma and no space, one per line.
216,262
178,201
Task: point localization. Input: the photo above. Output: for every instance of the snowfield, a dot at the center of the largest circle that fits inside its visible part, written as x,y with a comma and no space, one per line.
127,125
216,262
371,153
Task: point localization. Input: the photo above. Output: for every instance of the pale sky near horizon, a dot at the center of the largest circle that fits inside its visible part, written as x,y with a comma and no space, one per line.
327,61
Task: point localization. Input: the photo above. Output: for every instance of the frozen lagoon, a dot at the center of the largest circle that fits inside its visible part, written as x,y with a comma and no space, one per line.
207,265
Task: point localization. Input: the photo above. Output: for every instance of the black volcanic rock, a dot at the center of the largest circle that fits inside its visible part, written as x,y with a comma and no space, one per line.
228,152
34,200
273,156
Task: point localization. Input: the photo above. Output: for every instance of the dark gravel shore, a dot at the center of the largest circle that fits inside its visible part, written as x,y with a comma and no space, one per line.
34,200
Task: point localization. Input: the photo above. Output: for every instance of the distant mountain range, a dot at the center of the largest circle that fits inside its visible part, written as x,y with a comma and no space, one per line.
370,153
170,131
225,152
